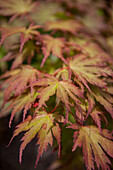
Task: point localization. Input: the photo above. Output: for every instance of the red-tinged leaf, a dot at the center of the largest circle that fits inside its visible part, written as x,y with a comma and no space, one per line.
26,34
94,144
54,46
95,114
24,101
64,91
63,73
18,80
57,133
92,49
6,32
44,125
71,26
16,8
18,58
46,93
21,127
91,103
104,99
88,70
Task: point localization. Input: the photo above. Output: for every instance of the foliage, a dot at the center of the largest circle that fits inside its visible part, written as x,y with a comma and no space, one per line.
60,71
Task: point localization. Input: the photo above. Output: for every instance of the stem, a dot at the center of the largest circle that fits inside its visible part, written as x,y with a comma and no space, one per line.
53,110
60,70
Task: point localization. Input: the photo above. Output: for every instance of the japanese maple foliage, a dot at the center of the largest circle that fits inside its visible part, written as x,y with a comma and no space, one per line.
60,75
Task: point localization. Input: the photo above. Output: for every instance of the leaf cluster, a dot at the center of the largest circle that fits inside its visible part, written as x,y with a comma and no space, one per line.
59,67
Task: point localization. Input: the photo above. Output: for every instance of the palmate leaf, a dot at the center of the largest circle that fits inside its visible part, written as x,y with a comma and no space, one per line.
54,46
26,34
71,26
25,101
16,8
64,90
90,70
43,125
94,144
17,80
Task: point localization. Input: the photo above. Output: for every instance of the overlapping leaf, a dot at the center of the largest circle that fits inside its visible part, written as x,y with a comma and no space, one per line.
24,101
63,90
104,98
44,126
94,144
18,58
90,70
26,34
92,49
17,80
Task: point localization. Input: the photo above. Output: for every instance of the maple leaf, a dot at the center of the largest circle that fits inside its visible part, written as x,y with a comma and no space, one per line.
104,98
8,31
94,144
45,126
54,45
46,11
71,26
91,49
16,8
101,96
24,101
18,79
90,70
62,89
26,34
